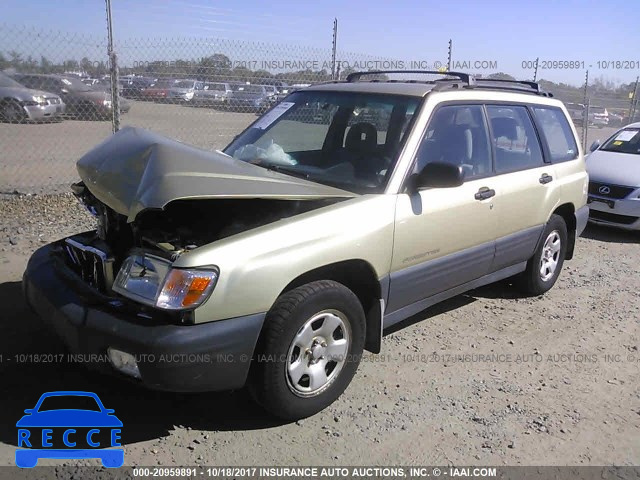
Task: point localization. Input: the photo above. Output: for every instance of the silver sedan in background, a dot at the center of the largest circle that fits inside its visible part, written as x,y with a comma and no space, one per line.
614,179
19,103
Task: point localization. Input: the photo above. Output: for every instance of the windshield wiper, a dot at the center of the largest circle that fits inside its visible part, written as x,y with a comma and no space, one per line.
288,170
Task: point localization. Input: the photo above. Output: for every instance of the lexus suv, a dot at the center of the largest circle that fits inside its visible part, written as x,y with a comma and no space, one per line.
343,210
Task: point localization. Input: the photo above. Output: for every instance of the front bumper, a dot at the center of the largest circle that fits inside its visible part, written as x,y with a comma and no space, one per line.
37,112
201,357
623,213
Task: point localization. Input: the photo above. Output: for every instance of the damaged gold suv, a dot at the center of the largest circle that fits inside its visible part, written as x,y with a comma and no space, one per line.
343,210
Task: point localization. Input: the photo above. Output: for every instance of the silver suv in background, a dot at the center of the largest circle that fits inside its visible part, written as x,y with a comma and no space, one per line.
184,90
19,103
213,93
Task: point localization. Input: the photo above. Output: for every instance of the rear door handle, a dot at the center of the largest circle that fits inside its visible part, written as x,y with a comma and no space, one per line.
545,179
484,193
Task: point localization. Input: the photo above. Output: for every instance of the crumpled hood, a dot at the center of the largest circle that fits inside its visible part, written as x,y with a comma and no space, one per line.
614,168
135,169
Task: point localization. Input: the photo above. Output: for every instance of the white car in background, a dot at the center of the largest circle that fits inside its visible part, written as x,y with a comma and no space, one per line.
614,179
600,116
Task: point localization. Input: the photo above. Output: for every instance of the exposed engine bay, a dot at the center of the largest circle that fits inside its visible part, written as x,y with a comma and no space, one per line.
184,225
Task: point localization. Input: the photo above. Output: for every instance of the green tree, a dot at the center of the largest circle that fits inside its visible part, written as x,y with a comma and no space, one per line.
500,76
46,66
4,63
70,65
86,66
15,59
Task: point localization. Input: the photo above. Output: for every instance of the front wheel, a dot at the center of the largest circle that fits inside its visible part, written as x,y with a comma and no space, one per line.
544,267
309,349
12,112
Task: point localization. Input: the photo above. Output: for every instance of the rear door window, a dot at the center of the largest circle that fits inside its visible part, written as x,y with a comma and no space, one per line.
557,133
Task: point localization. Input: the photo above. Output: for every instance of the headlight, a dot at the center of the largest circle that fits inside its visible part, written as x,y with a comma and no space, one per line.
188,95
106,103
140,278
40,100
152,281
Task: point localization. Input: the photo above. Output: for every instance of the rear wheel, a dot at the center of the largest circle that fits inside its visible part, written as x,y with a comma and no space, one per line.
544,267
309,349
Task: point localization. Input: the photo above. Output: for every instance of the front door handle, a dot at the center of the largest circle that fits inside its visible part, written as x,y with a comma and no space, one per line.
484,193
544,179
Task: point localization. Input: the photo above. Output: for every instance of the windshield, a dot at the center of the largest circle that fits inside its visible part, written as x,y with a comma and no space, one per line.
9,82
69,402
346,140
164,83
183,84
626,141
74,84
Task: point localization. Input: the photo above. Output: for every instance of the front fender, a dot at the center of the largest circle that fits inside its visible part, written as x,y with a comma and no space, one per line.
256,266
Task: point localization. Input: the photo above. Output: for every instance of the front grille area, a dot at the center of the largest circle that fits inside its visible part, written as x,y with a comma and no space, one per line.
90,262
612,217
615,191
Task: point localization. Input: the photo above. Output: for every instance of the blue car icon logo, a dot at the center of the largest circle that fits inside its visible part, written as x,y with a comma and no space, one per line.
69,425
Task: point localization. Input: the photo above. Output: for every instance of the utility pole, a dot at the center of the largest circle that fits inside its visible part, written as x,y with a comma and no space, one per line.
535,71
335,43
115,98
449,55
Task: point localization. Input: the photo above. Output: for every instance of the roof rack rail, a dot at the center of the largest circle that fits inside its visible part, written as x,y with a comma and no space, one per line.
465,77
516,85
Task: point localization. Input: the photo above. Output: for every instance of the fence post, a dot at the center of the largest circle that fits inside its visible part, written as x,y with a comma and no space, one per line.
113,64
634,102
333,54
585,114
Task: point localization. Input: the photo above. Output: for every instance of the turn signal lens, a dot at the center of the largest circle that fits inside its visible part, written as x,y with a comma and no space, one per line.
185,289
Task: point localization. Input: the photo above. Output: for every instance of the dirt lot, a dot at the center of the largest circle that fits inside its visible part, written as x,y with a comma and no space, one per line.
486,378
37,158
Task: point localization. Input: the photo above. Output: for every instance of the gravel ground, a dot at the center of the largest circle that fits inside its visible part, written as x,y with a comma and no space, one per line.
486,378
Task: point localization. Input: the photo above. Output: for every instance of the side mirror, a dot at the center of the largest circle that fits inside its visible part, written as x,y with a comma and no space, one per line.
438,175
29,411
109,411
64,90
594,146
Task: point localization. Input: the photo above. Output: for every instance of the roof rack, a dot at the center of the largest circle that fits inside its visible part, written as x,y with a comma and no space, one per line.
460,79
469,80
515,85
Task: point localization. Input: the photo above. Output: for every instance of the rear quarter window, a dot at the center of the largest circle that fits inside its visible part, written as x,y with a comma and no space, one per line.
556,133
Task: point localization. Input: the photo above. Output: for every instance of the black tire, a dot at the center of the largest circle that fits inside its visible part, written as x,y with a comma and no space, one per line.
533,281
270,383
12,112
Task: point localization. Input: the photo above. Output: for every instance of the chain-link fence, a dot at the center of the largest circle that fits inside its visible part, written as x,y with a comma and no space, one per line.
56,101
